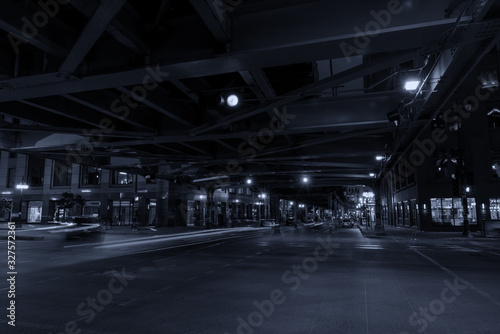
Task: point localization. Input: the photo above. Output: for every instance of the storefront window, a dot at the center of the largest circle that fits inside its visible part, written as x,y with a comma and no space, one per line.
449,211
436,211
91,209
495,208
471,204
35,212
458,211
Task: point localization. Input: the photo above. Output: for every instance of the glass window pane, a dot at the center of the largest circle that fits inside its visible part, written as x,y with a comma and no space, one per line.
62,175
91,176
471,204
121,178
447,213
436,212
494,209
458,212
35,212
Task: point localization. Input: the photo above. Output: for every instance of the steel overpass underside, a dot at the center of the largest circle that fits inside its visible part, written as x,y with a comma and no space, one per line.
133,85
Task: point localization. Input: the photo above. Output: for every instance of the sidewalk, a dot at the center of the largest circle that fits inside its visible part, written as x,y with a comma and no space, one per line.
409,232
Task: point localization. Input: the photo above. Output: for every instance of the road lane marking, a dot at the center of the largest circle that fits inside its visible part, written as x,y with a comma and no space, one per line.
258,253
209,272
470,285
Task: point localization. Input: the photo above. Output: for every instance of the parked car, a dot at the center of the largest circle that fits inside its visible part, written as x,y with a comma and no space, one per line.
347,222
268,222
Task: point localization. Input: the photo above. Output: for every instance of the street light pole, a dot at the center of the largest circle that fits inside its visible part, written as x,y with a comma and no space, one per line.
21,187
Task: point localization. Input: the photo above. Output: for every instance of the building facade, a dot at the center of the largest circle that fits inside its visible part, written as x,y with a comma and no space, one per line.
116,197
452,166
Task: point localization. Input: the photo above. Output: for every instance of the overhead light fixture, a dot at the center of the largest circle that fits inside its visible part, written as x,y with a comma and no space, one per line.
249,181
86,191
412,84
232,100
305,180
379,158
6,192
467,189
372,174
22,186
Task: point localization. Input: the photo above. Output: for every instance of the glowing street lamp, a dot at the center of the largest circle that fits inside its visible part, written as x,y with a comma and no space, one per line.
232,100
22,187
412,85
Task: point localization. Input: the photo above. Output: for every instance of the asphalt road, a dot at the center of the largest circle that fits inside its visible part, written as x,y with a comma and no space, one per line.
255,281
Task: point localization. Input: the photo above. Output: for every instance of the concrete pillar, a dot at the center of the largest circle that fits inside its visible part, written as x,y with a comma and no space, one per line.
274,203
4,169
379,227
142,211
210,219
162,203
295,209
177,205
47,183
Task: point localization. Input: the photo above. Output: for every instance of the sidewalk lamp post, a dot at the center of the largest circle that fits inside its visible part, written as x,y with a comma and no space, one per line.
22,187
